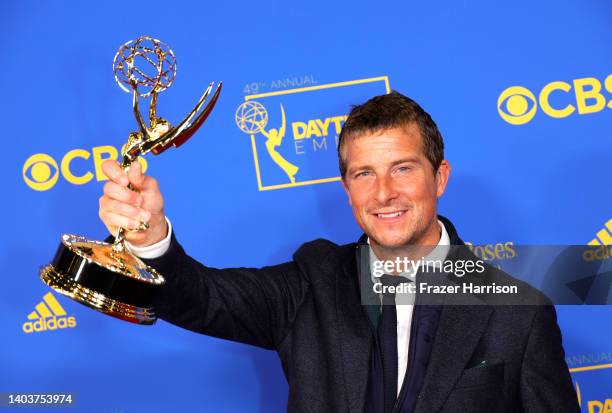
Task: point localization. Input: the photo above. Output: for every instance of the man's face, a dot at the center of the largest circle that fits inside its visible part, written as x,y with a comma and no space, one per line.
392,187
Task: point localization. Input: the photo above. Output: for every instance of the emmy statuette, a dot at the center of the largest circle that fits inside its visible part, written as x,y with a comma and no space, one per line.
107,277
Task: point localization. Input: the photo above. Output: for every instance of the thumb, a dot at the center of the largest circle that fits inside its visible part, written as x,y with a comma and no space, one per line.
135,175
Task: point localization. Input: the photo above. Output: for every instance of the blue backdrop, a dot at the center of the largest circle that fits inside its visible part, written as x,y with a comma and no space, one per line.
522,92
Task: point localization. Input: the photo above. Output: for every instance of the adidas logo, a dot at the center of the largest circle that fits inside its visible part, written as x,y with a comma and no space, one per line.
604,236
602,244
49,315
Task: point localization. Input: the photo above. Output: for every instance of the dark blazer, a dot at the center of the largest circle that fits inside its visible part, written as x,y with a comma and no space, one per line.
309,311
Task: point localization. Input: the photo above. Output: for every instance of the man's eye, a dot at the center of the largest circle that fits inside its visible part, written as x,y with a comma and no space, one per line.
404,169
362,174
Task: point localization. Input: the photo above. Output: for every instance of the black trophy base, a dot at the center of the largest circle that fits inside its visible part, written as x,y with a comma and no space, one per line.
114,283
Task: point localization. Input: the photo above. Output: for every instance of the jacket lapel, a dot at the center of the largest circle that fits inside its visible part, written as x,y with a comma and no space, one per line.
459,331
462,323
355,335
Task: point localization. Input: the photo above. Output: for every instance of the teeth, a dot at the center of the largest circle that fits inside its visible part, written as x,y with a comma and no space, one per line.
391,215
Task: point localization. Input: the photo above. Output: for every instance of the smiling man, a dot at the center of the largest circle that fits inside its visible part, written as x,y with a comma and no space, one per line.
340,350
393,176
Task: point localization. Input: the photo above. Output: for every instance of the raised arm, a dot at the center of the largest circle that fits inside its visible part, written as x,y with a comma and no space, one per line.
248,305
281,131
254,306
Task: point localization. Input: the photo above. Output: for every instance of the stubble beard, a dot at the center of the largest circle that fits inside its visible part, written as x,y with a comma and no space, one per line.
410,246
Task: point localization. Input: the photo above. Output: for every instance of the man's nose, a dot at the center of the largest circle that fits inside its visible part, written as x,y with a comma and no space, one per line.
385,190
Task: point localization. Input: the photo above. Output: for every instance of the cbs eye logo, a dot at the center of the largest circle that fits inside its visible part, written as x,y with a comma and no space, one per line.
516,105
42,170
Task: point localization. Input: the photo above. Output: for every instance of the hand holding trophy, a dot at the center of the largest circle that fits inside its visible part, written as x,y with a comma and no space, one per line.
107,277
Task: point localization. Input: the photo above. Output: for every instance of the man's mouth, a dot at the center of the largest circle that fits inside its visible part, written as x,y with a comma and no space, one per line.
389,215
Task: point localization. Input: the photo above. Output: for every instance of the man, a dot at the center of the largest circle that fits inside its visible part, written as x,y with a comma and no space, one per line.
339,351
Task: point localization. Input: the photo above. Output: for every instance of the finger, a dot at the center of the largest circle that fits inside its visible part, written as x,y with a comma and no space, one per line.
132,237
135,175
113,221
114,172
149,184
153,200
120,208
122,193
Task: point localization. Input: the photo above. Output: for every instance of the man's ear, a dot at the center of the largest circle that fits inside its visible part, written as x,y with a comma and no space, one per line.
346,189
442,175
